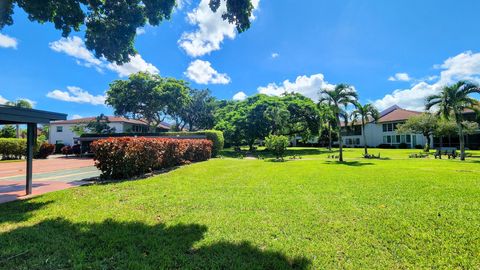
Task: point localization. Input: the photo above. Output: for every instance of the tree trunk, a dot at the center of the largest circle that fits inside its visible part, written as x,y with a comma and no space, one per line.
364,138
427,147
340,141
462,141
329,137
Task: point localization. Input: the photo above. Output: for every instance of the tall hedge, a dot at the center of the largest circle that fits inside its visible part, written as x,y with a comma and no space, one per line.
11,148
126,157
215,136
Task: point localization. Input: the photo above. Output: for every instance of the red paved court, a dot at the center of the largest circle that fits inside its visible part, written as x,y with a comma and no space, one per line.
51,174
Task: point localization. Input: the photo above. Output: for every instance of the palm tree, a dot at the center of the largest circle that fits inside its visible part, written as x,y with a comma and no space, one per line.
327,121
364,114
452,101
340,97
22,103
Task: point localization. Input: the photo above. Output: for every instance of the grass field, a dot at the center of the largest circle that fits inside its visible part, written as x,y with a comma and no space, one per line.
231,213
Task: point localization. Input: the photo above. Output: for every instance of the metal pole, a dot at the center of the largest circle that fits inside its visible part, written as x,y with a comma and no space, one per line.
31,130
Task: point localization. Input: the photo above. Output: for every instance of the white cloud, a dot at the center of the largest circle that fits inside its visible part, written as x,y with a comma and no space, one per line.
8,42
464,66
212,29
202,72
308,86
240,96
275,55
3,100
75,47
135,65
76,116
400,77
77,95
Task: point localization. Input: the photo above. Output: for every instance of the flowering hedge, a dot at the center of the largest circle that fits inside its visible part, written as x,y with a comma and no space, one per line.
127,157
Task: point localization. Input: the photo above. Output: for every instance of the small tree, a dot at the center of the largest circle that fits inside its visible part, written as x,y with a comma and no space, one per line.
425,124
7,131
277,144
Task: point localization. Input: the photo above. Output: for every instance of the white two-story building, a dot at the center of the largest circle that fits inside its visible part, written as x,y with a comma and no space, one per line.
384,131
61,131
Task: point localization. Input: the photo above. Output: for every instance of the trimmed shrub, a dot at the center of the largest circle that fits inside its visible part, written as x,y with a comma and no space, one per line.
418,146
77,149
66,150
215,136
127,157
402,146
277,144
384,146
12,148
45,150
58,148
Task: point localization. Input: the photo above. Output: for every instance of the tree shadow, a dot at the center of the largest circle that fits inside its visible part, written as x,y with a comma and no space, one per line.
265,154
19,210
58,243
349,163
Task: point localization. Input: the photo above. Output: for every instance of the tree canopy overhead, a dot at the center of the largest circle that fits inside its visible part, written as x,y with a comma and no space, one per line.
111,25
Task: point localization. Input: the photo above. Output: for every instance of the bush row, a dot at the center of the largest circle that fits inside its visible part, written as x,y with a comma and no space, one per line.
12,148
126,157
213,135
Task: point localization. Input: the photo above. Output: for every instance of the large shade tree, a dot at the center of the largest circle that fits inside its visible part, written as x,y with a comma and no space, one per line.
111,25
364,114
148,97
452,101
244,122
339,98
198,111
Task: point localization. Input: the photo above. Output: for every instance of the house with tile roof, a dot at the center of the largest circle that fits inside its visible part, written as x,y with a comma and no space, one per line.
384,130
61,131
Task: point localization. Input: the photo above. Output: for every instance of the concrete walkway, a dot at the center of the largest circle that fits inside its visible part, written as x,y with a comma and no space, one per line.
51,174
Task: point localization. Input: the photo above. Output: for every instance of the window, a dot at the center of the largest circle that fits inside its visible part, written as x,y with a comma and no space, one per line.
402,139
357,141
409,138
389,139
384,139
388,127
398,139
59,129
58,142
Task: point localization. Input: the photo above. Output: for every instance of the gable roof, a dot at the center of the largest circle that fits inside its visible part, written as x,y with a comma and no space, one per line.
396,114
112,119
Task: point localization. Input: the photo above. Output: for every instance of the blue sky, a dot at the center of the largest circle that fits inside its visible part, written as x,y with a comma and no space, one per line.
393,52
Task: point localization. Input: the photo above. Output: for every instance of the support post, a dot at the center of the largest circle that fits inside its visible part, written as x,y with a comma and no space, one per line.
31,140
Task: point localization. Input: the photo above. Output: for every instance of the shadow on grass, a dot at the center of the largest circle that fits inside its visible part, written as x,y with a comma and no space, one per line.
230,153
58,243
20,210
349,163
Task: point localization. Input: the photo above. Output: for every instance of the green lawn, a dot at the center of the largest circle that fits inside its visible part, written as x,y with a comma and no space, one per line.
231,213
